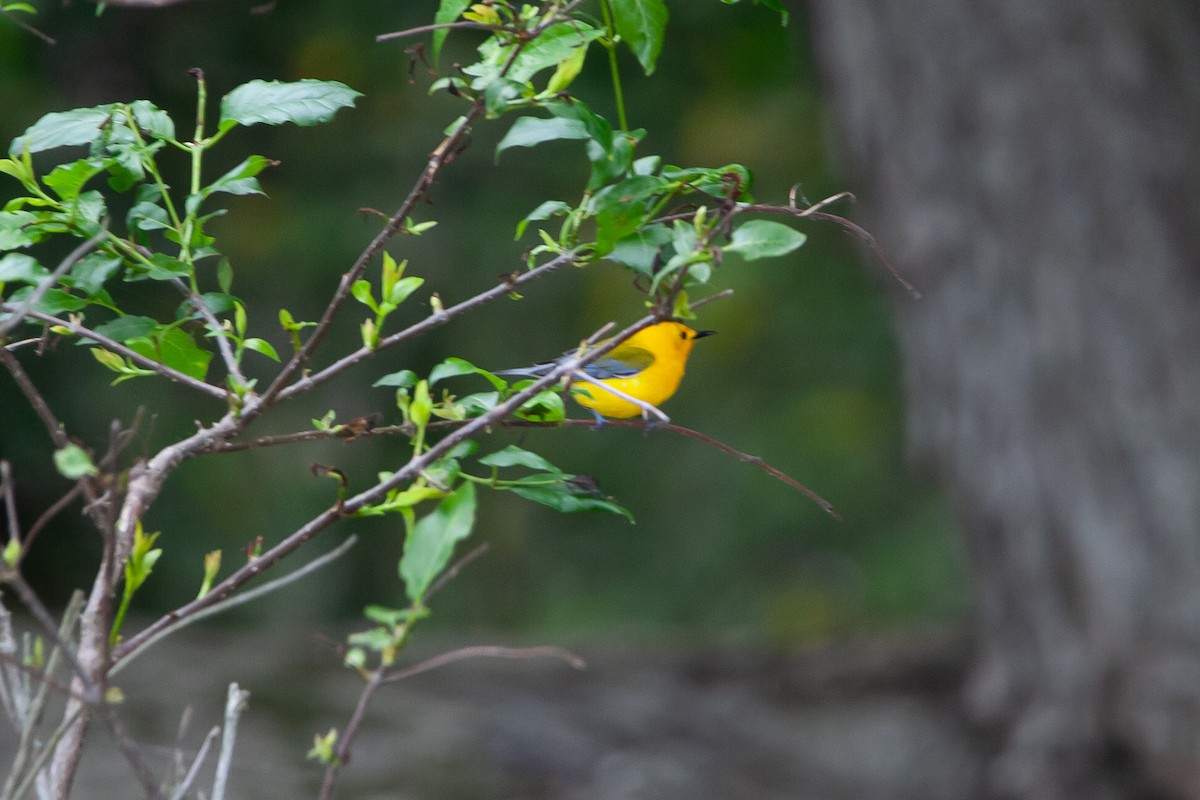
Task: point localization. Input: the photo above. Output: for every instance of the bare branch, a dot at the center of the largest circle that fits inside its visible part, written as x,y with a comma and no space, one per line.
510,284
486,651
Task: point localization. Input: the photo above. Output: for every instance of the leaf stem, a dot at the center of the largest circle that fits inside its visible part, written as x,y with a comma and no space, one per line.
613,69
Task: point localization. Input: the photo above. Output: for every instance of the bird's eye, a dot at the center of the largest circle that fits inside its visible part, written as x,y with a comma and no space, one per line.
683,334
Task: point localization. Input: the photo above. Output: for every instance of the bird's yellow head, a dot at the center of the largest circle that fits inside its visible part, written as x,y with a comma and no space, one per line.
671,339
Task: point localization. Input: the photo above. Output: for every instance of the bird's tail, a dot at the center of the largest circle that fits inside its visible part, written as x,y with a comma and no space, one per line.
535,371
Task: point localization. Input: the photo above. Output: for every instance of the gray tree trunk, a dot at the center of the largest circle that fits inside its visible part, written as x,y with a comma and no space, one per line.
1034,167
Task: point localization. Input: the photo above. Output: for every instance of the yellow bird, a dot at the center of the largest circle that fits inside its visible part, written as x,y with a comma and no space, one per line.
634,377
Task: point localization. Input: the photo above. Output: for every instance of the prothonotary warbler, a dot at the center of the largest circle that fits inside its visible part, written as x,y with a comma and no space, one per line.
633,378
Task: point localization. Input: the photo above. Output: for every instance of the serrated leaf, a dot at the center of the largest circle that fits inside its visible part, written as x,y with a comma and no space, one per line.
73,462
763,238
152,119
430,546
303,102
62,129
642,25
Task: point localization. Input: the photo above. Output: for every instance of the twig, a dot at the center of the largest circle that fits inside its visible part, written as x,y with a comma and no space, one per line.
485,651
455,568
194,770
25,26
479,26
214,324
753,460
35,399
76,329
235,704
122,658
342,757
432,321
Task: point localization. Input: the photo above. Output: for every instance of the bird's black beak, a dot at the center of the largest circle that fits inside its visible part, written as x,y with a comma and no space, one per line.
702,334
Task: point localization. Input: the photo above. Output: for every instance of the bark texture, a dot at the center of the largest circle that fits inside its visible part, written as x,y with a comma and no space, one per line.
1033,168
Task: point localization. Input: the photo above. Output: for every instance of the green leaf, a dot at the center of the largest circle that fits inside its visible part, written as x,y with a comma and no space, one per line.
152,119
559,497
147,216
73,462
162,267
544,406
240,179
762,238
90,273
453,367
546,210
25,7
122,329
67,180
513,456
176,349
642,25
261,346
531,131
16,229
430,545
403,288
639,250
304,102
20,267
448,11
54,301
404,378
361,290
63,129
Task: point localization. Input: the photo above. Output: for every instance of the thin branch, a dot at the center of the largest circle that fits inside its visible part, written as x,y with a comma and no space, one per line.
10,503
485,651
35,399
342,757
47,283
194,770
455,568
123,659
740,455
76,329
25,26
235,704
442,26
218,331
506,287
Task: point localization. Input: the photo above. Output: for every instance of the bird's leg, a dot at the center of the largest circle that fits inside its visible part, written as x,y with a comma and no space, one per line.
599,426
